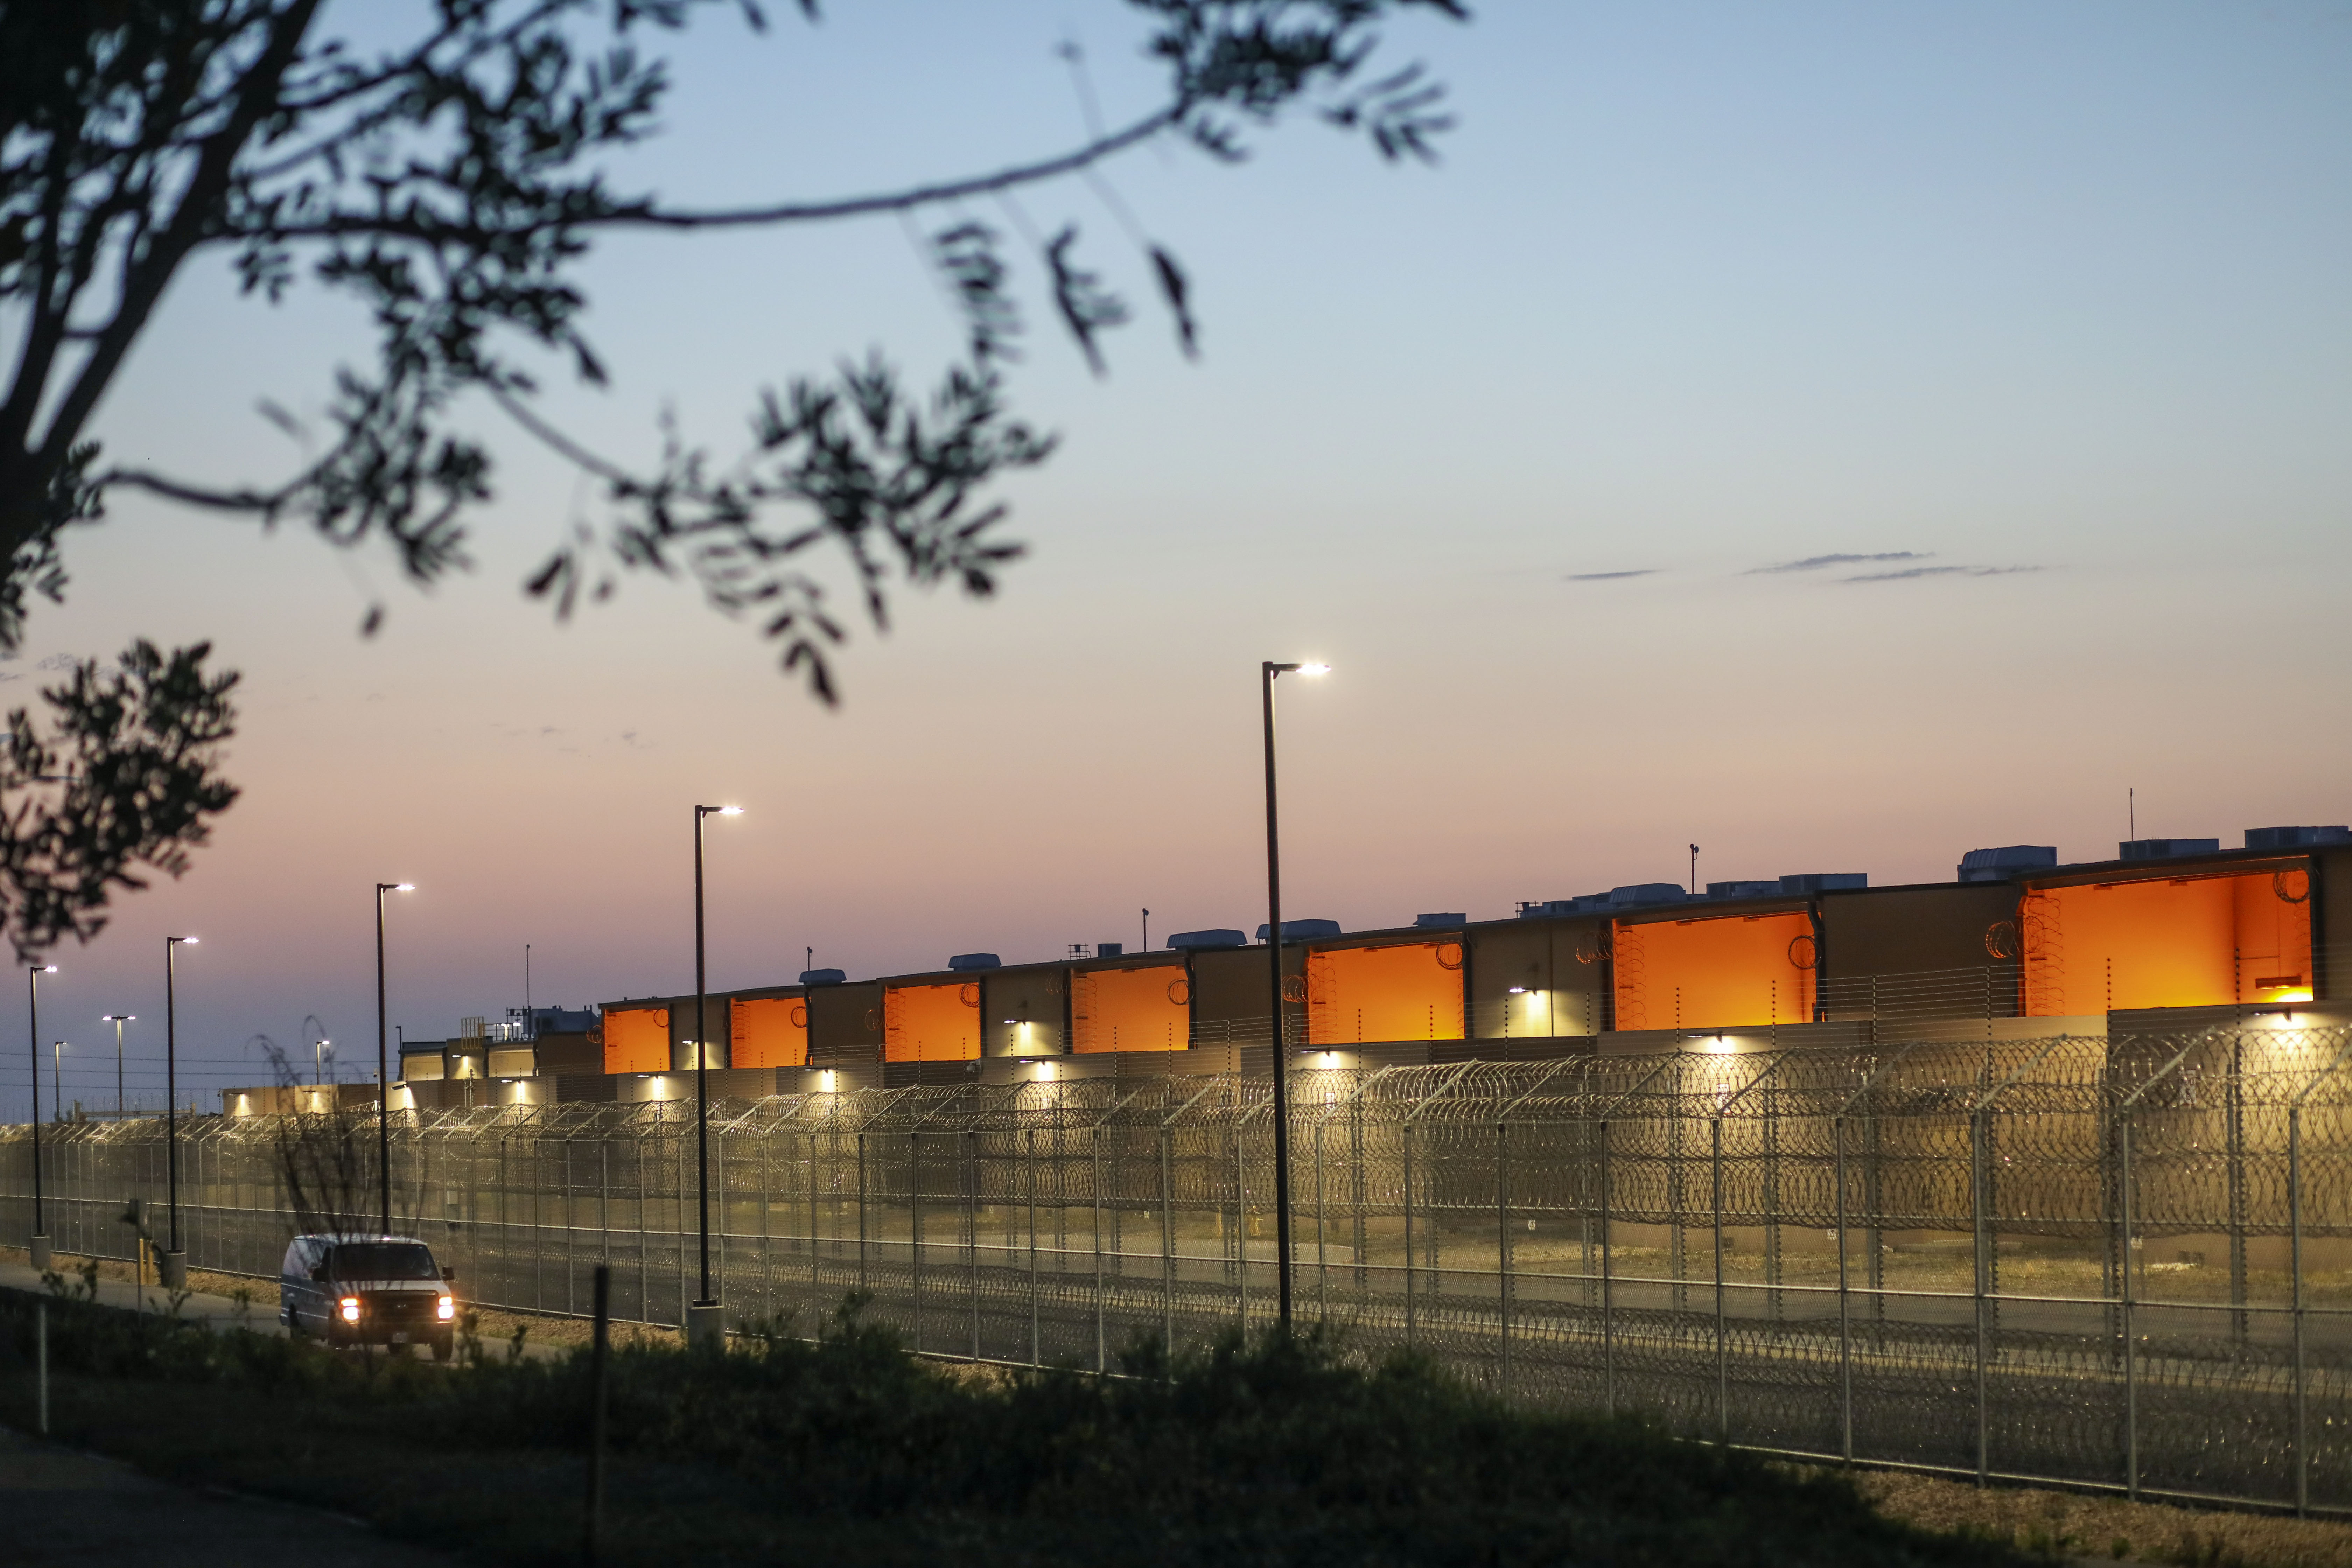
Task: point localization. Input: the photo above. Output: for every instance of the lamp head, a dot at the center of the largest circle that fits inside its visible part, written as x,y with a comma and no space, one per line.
718,811
1313,670
175,940
42,968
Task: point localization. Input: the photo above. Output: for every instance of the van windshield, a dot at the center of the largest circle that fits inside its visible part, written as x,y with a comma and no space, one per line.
383,1260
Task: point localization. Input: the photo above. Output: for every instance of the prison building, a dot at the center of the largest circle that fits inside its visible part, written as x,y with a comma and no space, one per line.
2170,934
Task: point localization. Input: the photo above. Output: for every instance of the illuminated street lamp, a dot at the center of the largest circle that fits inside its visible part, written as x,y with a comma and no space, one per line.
703,1323
383,1063
1269,672
38,1242
117,1020
175,1261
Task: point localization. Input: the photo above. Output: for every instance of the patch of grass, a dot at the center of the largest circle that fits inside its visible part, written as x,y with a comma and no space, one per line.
848,1449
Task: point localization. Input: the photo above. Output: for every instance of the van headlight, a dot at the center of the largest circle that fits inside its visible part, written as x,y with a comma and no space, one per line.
350,1308
446,1310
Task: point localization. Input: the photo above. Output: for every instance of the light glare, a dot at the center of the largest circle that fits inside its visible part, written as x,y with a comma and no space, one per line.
1313,670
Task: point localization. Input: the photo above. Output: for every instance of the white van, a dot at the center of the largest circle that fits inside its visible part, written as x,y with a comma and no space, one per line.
349,1289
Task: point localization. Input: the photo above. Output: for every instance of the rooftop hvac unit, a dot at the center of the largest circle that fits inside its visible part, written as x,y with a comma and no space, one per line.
2295,837
1110,950
1742,889
1445,921
2165,848
823,976
1823,881
970,961
1998,865
1646,893
1216,936
1304,930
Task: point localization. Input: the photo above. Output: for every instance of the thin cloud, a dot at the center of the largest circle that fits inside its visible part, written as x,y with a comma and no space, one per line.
1909,574
1611,576
1822,562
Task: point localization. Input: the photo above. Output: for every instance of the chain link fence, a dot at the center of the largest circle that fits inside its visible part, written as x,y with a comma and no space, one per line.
2123,1264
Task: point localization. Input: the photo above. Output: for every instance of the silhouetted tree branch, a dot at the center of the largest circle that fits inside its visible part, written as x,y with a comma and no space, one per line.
452,184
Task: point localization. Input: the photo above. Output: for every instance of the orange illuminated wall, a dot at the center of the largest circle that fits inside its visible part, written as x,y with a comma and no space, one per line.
1131,1009
636,1039
2190,941
769,1032
931,1023
1409,992
1734,971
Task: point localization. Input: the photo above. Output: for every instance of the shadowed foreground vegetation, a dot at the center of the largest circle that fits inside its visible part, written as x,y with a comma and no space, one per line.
849,1450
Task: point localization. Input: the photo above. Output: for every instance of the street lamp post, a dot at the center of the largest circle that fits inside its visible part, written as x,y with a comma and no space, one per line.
38,1242
175,1260
1269,672
383,1063
117,1020
703,1324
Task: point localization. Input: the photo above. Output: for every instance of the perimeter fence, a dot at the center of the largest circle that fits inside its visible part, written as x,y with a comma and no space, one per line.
2123,1264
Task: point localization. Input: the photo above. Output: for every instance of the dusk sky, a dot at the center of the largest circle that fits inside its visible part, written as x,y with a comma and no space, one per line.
1839,435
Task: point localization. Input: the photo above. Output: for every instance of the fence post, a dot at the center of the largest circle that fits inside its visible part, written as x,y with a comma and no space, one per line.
1846,1306
2294,1270
1322,1229
598,1360
1167,1247
1411,1323
1722,1345
915,1225
862,1285
971,1228
1977,1180
1035,1356
1240,1227
1102,1347
2131,1347
1503,1250
1608,1289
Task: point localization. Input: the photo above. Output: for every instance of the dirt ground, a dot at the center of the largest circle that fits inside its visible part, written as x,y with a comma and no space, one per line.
2077,1525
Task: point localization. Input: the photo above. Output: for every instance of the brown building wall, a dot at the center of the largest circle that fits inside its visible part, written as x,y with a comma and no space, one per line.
1904,930
846,1024
1229,985
2331,922
1561,968
1021,1011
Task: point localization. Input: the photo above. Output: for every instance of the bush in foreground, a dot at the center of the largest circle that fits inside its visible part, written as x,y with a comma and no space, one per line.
1276,1450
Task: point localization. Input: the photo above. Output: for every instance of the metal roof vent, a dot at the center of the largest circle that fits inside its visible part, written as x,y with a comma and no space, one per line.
2165,848
963,961
1998,865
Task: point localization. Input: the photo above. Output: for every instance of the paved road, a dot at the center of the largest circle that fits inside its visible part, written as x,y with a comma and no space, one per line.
212,1312
76,1510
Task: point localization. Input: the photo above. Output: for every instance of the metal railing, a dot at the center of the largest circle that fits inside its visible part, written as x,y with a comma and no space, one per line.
2121,1265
